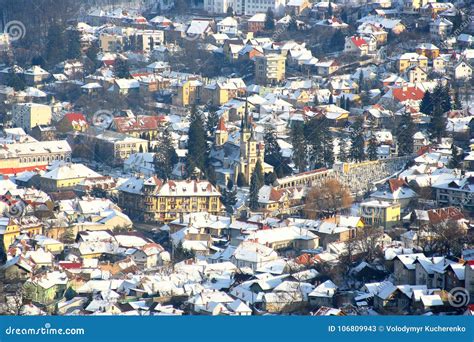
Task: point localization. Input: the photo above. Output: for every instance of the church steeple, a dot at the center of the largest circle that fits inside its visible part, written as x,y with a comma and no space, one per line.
221,134
245,120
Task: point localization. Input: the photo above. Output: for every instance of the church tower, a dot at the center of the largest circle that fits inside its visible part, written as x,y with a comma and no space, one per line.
248,147
221,135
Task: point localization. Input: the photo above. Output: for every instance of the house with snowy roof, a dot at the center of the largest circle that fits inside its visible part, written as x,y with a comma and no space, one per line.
162,198
47,287
359,45
72,122
395,191
66,176
440,28
323,294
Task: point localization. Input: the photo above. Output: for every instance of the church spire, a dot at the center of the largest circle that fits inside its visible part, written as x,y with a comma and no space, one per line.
245,121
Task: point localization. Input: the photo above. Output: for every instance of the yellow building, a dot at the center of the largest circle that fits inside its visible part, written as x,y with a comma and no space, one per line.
110,147
19,157
280,201
66,176
411,59
140,126
29,115
219,93
156,200
111,42
378,213
428,50
51,245
188,93
270,69
11,228
417,74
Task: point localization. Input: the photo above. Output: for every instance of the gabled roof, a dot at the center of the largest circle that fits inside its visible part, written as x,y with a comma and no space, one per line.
442,214
140,122
358,41
75,117
407,93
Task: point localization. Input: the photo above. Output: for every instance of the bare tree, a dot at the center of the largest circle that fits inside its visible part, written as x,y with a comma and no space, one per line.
14,303
366,243
445,238
327,199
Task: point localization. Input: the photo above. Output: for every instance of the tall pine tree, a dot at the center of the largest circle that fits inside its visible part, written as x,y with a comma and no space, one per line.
16,80
212,121
405,132
73,37
457,100
229,197
55,45
254,189
197,144
357,152
273,154
456,158
300,150
269,23
437,126
165,157
426,106
121,68
343,155
372,148
259,172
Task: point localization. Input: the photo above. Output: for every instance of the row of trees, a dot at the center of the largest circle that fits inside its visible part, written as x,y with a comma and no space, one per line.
436,104
313,144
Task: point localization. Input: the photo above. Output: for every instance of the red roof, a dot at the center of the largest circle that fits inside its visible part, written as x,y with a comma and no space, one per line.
70,265
423,150
396,184
445,214
276,195
15,170
141,122
141,74
407,93
75,117
304,259
140,20
358,41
